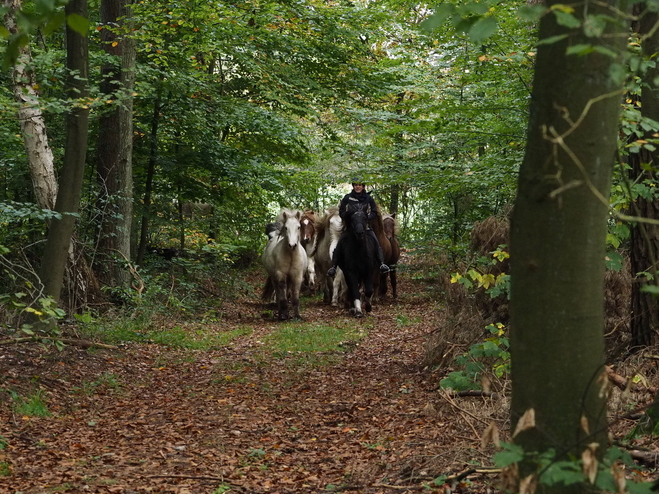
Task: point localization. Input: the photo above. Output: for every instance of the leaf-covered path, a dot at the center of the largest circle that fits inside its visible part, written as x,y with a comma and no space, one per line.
363,417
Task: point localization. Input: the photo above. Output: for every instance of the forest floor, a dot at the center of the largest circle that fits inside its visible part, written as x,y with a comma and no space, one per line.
248,416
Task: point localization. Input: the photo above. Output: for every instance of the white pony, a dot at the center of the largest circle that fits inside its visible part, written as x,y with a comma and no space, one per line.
285,260
328,232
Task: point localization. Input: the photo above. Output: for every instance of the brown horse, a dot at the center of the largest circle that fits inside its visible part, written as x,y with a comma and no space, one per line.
386,229
391,233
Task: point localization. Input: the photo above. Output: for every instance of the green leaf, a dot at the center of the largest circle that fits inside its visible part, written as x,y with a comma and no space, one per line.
78,23
566,19
651,289
580,49
442,12
531,13
594,26
512,453
639,488
613,261
54,23
551,40
483,29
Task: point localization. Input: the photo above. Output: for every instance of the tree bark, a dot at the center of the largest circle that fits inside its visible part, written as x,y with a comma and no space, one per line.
115,174
151,170
558,233
77,121
33,126
644,252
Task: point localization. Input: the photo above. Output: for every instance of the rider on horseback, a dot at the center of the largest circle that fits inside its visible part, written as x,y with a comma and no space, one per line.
359,196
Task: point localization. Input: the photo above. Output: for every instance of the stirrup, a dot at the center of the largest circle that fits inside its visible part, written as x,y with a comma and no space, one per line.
384,268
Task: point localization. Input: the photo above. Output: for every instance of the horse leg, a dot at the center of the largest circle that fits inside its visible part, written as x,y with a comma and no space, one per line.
295,300
282,301
354,296
336,287
368,294
311,271
377,284
383,285
394,282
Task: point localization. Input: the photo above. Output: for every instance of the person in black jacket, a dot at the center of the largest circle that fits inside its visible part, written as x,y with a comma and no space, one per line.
358,195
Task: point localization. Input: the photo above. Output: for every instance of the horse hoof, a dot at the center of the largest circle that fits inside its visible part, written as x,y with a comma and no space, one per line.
368,308
359,315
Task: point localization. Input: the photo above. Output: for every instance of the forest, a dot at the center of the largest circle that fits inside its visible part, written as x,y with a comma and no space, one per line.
153,154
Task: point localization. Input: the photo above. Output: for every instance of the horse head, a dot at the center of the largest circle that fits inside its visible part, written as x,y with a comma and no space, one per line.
390,226
308,226
290,229
357,220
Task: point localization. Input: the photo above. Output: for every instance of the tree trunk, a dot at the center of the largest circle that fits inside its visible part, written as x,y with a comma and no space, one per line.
115,147
33,126
153,153
558,236
68,199
644,252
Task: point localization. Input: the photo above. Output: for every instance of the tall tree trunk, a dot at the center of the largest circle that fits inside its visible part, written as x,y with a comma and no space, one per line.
558,236
33,126
80,281
151,170
115,175
644,252
77,121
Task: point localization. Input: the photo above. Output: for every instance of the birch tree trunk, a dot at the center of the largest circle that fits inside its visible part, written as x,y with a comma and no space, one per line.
33,126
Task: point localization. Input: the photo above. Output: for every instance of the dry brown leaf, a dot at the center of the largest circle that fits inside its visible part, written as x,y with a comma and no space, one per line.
589,461
619,478
490,435
525,422
528,484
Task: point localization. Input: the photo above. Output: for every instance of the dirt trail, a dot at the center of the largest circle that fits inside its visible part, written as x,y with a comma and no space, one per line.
364,418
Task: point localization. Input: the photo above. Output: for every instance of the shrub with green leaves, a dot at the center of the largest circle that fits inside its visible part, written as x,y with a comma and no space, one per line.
489,356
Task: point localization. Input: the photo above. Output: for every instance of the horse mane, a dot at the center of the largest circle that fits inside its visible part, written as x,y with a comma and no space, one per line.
286,213
393,218
322,225
377,223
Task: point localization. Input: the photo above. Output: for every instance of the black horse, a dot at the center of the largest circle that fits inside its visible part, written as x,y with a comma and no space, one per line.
356,256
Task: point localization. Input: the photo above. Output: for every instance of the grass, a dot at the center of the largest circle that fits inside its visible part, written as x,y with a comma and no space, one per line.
197,340
107,380
313,338
33,406
140,330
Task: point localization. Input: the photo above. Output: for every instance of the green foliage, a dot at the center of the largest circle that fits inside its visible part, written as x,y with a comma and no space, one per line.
607,475
107,381
31,406
491,355
479,277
